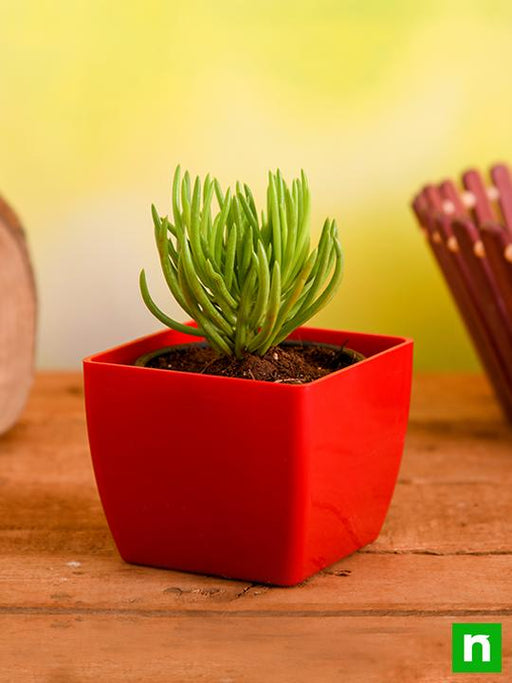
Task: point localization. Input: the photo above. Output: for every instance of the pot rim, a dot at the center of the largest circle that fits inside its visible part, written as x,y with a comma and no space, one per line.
393,343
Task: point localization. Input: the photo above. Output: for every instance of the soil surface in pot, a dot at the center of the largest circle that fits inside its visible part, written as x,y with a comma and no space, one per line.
286,364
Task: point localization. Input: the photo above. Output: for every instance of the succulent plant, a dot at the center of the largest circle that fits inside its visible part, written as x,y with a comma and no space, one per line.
248,280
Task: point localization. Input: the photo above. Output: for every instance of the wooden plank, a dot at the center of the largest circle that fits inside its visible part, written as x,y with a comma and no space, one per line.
362,584
454,421
453,518
71,610
452,499
287,648
467,444
448,397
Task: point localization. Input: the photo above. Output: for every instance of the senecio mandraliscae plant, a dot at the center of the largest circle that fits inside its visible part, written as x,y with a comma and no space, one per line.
248,280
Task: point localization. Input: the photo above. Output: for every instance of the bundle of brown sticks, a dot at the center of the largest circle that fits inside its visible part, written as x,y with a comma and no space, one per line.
469,230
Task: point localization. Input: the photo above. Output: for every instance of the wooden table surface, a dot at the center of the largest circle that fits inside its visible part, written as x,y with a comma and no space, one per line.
71,610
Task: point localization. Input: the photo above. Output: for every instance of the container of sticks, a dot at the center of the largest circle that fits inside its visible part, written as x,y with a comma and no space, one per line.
469,230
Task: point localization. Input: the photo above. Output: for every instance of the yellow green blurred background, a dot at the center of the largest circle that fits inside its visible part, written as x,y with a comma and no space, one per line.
100,100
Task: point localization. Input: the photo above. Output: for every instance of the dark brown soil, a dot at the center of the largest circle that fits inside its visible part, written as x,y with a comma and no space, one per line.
295,364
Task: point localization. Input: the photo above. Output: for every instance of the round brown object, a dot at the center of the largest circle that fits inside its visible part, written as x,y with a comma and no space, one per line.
17,318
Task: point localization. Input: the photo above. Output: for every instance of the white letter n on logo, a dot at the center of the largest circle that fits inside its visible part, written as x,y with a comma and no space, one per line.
469,642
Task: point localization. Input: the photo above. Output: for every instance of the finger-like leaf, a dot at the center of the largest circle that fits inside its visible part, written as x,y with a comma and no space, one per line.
247,279
158,313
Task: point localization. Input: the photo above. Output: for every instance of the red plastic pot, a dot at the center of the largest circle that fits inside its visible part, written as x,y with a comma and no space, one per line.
246,479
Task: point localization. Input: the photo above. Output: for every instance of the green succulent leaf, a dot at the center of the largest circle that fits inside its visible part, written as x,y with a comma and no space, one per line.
247,278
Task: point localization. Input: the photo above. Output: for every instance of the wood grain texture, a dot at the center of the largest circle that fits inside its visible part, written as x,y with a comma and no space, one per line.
17,318
71,610
225,649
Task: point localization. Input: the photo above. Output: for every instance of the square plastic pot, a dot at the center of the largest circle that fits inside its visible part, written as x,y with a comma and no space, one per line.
241,478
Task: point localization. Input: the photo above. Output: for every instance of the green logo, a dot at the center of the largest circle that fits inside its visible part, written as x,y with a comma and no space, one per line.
476,647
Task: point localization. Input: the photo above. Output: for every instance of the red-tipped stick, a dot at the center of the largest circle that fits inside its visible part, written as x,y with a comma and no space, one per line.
432,198
482,209
498,250
450,194
501,178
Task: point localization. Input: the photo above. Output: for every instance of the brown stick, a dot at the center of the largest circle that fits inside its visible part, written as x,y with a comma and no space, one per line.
17,318
496,244
483,209
501,178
